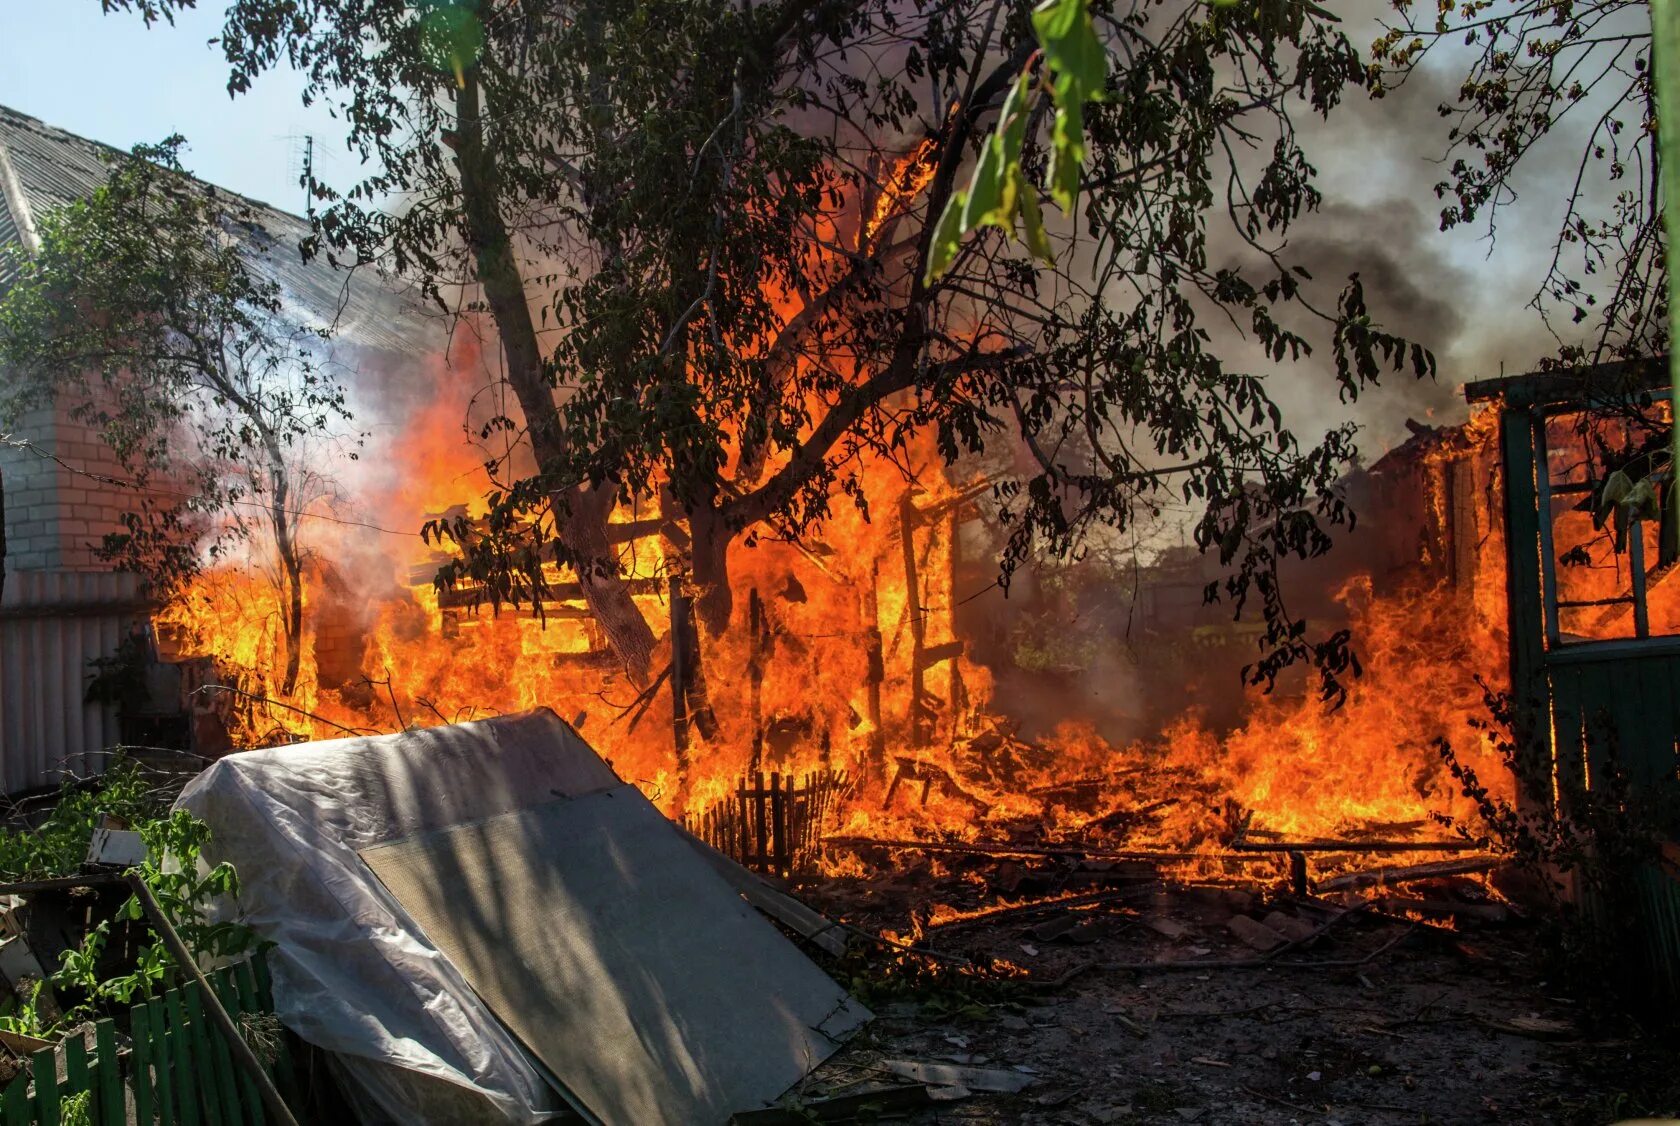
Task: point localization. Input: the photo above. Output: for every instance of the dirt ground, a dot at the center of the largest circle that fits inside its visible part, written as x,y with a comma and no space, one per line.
1375,1019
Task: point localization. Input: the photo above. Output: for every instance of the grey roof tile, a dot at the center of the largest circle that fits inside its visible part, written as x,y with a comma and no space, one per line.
55,168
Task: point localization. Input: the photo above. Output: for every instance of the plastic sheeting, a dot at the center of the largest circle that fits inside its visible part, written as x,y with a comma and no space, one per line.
352,973
621,958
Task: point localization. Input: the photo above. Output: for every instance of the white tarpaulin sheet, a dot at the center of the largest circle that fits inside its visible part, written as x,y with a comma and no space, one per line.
617,954
352,972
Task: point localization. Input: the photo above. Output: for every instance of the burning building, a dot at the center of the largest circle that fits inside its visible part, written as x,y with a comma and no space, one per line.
875,682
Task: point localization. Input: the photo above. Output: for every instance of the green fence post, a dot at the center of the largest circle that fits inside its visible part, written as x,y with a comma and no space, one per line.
254,998
249,1099
158,1045
46,1086
213,1066
14,1105
140,1062
75,1065
112,1106
181,1059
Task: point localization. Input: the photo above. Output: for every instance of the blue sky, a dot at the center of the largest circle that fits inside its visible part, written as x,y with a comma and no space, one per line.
108,78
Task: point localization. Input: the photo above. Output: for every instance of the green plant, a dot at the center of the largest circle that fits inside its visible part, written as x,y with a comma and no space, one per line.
26,1019
185,890
184,887
77,1109
120,679
1075,72
59,844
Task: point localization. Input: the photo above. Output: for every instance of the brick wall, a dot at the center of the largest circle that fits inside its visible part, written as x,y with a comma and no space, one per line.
57,515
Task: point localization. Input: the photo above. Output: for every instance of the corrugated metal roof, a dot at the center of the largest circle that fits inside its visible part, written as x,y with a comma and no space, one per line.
8,239
54,168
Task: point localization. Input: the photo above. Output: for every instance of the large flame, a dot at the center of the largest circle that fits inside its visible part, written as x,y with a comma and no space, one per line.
935,752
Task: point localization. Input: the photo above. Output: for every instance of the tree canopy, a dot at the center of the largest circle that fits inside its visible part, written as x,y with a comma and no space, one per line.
703,231
1543,81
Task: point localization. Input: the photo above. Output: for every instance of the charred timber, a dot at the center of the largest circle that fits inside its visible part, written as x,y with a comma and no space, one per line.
555,595
1405,874
1242,854
1358,846
919,715
999,849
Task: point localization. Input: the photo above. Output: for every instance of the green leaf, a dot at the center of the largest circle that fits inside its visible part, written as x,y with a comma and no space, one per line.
1078,64
1032,221
993,189
1078,67
1067,156
985,189
947,238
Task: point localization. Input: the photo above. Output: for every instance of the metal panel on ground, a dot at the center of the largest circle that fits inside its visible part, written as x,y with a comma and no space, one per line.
639,978
52,623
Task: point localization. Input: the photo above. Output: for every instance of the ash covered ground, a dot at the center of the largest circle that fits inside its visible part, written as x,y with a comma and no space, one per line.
1365,1017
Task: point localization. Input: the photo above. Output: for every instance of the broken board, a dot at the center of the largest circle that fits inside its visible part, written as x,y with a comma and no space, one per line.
639,979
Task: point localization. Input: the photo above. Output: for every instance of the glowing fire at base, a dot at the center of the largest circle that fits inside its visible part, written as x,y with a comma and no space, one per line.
853,667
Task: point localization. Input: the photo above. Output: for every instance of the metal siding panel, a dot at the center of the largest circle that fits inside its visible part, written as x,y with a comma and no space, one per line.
46,727
56,168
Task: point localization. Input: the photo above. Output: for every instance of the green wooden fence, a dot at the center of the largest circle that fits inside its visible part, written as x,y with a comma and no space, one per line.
174,1068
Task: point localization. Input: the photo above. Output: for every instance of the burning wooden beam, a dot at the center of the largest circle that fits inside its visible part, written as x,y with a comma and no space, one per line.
919,716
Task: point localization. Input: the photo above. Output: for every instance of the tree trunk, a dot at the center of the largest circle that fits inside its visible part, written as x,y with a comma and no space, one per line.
580,516
285,546
709,555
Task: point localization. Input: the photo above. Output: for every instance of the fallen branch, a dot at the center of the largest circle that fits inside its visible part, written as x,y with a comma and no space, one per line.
643,700
289,707
1359,846
1404,873
1061,979
1025,910
1071,852
920,952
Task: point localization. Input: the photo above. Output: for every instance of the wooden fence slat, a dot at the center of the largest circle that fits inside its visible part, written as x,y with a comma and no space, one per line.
232,1078
265,983
75,1064
761,853
776,827
781,846
246,976
162,1044
188,1079
14,1105
212,1076
140,1062
46,1086
112,1105
179,1068
250,1101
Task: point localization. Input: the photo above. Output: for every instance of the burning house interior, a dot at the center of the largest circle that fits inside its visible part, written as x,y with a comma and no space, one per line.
379,801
